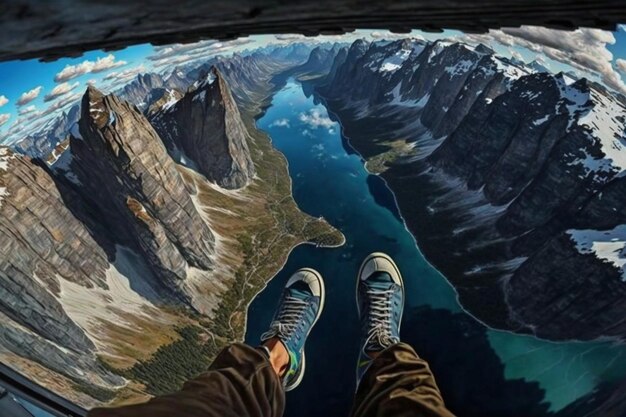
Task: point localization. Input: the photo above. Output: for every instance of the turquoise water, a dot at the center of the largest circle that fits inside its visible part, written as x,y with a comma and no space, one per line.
480,371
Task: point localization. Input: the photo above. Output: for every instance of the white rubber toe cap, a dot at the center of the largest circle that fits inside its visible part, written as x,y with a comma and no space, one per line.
311,277
380,262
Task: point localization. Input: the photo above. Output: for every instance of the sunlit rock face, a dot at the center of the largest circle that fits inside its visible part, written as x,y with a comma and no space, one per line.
126,172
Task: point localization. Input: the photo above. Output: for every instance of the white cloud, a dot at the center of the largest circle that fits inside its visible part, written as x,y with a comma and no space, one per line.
126,75
60,90
101,64
61,104
162,52
280,123
92,81
27,110
31,120
387,35
170,56
29,96
289,37
4,118
314,119
173,61
584,49
621,65
3,100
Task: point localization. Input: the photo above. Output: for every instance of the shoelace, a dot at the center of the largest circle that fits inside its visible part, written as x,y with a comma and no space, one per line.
380,318
288,319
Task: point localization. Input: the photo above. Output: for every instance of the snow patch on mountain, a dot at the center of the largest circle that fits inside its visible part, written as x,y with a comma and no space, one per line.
604,119
608,245
437,48
127,295
5,157
171,100
575,100
606,122
398,100
395,61
461,67
541,120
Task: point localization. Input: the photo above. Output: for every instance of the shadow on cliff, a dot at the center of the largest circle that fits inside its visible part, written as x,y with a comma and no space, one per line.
98,223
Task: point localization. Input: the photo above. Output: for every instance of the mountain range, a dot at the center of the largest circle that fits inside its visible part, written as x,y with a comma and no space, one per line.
512,179
140,223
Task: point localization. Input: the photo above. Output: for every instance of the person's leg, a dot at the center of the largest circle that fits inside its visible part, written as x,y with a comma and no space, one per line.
392,380
240,382
244,381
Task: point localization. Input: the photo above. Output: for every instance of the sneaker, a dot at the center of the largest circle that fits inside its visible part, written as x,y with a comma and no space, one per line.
380,301
300,306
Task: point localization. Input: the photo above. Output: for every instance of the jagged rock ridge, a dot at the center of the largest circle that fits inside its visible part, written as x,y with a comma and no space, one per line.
206,126
521,171
148,202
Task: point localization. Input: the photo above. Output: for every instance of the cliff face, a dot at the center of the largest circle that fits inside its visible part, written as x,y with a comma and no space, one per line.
319,63
521,171
161,99
40,237
62,228
41,244
124,170
207,127
138,90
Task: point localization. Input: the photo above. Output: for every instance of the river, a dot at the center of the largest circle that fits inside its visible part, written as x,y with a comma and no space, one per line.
480,371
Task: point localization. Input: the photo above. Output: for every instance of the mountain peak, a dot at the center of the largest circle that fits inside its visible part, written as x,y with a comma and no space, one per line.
484,49
93,93
206,125
94,108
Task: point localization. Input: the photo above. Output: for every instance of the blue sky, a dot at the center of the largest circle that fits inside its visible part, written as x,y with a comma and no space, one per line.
33,92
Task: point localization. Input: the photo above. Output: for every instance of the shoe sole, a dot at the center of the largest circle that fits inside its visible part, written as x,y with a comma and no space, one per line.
319,313
358,279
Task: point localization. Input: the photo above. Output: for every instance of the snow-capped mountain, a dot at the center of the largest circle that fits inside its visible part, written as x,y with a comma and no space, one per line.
513,179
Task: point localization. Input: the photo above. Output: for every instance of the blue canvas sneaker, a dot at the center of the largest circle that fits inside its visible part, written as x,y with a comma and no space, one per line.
300,306
380,301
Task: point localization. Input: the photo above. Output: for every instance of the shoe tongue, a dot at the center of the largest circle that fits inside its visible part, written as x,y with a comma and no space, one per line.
300,290
380,281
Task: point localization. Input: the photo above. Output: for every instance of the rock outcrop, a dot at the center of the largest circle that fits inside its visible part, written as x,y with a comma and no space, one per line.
40,241
319,63
206,126
138,89
124,170
161,99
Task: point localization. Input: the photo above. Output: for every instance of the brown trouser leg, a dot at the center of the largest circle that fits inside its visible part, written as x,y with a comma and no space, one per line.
399,384
239,383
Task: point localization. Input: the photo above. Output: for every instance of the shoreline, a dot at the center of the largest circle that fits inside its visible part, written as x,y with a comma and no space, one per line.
263,107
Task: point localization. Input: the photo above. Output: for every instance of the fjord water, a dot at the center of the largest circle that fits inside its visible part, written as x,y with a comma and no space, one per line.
480,371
